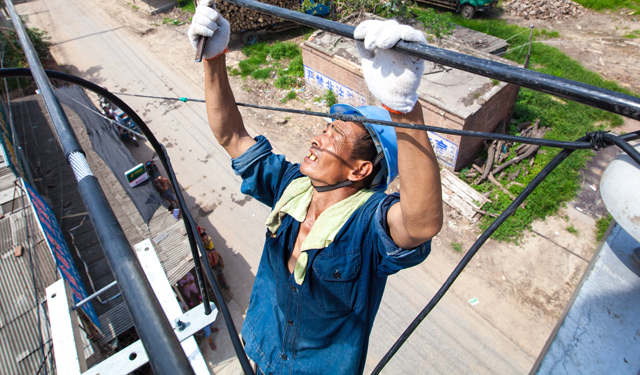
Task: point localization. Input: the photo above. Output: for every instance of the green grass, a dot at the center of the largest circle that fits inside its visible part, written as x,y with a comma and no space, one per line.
329,98
457,246
632,35
290,95
601,225
571,229
187,6
567,121
172,21
609,4
264,58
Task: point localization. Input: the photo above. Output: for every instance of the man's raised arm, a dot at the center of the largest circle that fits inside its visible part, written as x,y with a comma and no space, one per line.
223,114
393,78
418,217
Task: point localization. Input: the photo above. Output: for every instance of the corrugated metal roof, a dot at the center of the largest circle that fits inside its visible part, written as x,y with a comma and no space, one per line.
20,334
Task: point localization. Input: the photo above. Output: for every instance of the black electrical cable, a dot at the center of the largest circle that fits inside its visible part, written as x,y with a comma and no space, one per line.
434,129
622,143
469,255
592,140
597,97
194,239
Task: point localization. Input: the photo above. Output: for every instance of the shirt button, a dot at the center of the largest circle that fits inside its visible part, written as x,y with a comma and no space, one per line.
284,356
337,275
293,288
290,322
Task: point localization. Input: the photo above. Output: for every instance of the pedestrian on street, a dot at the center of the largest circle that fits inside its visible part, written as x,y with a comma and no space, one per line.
215,260
164,187
333,235
189,290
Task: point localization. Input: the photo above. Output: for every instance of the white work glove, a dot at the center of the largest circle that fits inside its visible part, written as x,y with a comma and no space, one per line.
208,22
392,77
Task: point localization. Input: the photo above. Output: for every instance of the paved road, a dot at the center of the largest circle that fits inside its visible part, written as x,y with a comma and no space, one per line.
94,44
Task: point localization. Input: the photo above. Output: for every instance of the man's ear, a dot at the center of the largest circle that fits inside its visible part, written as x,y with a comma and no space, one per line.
361,170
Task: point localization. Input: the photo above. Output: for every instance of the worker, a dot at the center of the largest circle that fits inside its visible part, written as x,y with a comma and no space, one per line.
215,260
333,235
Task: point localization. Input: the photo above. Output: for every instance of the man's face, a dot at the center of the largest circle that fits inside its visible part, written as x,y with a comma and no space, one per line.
329,161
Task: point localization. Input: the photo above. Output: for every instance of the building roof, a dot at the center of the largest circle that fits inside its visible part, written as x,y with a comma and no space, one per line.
598,331
453,90
173,250
20,334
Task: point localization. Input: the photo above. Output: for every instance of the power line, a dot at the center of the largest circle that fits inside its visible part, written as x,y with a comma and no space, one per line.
575,145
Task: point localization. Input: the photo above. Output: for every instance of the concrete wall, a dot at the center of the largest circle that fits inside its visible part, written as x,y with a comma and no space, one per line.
324,70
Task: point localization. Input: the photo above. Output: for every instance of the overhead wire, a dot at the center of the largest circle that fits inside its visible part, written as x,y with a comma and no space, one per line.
593,140
194,238
576,145
599,98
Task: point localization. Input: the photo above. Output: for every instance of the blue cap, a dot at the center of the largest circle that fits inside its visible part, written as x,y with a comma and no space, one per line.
384,138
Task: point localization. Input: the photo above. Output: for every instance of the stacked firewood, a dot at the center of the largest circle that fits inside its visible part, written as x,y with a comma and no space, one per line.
544,9
499,151
241,18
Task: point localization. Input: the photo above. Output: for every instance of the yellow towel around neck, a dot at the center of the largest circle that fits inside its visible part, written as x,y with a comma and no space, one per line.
295,202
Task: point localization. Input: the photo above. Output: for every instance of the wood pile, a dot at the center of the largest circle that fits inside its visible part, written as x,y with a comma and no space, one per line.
499,151
242,19
460,196
544,9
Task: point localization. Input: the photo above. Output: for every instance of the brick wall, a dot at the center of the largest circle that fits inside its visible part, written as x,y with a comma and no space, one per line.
338,69
495,111
325,70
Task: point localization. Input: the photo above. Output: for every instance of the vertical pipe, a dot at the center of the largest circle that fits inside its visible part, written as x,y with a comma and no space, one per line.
160,342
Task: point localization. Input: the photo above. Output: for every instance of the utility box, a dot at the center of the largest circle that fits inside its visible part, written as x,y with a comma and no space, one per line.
450,98
137,175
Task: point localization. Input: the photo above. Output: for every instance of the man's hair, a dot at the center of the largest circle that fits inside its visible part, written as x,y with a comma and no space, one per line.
365,149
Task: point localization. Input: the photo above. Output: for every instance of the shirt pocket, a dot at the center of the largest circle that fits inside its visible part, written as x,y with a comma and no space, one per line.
337,280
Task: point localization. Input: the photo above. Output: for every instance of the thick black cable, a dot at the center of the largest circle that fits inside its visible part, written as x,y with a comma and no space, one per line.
597,97
508,212
194,239
434,129
469,255
622,143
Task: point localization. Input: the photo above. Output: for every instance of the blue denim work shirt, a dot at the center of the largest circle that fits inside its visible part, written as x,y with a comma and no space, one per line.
323,325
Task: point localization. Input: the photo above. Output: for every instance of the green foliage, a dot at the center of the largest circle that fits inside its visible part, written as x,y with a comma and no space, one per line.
609,4
14,55
435,23
567,120
571,229
264,58
345,7
495,82
290,95
261,73
287,50
397,9
330,98
457,246
601,225
632,35
187,6
172,21
285,82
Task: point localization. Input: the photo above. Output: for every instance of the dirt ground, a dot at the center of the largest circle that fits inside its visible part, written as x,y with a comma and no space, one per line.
523,287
